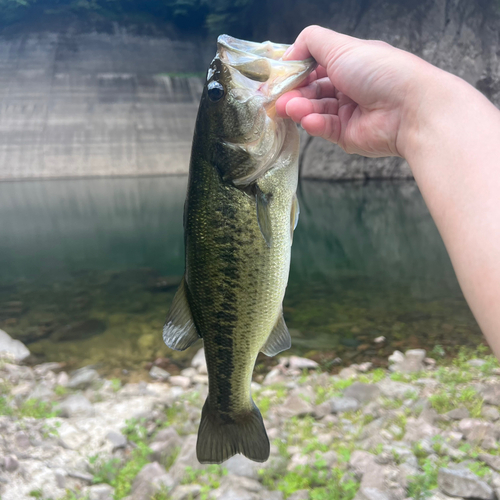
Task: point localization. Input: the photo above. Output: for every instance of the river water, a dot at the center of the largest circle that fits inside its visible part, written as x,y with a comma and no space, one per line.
89,268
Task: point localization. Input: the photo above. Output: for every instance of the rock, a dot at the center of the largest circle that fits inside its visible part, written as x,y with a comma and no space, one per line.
186,492
69,436
396,390
295,406
22,439
475,430
189,372
299,495
158,373
101,492
186,458
369,493
490,413
476,363
414,360
165,444
180,381
151,479
10,463
379,340
239,465
410,362
298,363
42,392
76,406
491,394
492,461
200,379
458,413
83,476
372,476
463,483
347,373
117,439
238,488
396,357
418,430
275,376
322,410
82,378
22,390
362,392
342,404
60,478
199,362
12,348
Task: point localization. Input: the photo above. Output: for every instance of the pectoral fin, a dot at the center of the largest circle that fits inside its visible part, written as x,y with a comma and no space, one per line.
180,331
294,216
264,216
279,340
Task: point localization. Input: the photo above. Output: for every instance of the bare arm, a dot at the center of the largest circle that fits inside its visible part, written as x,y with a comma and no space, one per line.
375,100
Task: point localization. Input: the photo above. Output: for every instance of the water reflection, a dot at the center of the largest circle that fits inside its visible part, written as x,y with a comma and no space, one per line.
88,268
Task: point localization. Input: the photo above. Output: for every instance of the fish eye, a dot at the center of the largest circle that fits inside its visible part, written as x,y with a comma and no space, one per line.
215,91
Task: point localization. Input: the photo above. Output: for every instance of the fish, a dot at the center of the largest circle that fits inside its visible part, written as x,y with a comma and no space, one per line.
240,213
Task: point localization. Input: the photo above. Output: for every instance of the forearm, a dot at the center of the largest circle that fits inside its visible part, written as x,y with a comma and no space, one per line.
451,140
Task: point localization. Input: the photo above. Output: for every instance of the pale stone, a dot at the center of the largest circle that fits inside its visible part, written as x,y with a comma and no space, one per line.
10,347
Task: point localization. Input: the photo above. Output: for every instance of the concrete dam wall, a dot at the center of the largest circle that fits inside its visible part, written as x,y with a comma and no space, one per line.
97,104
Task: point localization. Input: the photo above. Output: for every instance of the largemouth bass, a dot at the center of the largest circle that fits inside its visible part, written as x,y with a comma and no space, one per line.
240,213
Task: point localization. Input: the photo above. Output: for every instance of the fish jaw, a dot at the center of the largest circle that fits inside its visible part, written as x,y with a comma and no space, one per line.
263,65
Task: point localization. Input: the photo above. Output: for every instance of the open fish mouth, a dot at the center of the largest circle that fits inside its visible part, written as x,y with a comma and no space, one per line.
260,66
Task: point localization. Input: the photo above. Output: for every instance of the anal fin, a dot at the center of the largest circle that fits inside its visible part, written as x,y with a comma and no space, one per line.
180,331
279,340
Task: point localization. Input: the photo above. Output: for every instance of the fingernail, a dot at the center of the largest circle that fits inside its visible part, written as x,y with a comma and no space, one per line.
287,51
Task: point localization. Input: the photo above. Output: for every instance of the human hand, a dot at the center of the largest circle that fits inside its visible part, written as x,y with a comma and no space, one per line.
361,96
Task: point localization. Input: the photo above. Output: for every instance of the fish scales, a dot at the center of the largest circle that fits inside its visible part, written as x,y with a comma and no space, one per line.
239,218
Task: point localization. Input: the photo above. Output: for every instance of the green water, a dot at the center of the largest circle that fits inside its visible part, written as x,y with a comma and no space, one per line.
88,270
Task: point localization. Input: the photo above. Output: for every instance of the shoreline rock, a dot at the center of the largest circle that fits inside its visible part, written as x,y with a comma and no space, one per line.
375,433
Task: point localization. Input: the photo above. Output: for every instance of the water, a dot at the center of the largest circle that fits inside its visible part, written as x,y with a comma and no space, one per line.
89,268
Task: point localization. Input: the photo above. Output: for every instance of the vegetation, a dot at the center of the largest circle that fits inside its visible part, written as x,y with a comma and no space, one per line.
200,16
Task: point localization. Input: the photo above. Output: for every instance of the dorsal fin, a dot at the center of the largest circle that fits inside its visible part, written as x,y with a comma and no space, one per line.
180,331
279,340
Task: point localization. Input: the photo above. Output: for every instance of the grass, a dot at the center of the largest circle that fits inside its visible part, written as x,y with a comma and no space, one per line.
321,482
421,485
453,397
30,408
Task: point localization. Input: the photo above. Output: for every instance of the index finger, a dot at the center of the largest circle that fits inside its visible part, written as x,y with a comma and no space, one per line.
321,43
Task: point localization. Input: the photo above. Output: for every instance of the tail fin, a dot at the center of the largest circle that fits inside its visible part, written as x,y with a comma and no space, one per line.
219,440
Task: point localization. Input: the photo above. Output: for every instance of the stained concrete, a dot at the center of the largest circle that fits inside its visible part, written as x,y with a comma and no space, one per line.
96,104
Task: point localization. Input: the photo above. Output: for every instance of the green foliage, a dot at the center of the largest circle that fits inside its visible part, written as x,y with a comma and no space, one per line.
135,431
36,409
126,475
209,479
421,485
323,484
116,384
120,474
60,390
202,16
453,397
479,469
104,471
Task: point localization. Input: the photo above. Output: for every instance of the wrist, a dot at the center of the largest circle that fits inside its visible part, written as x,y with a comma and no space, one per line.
432,101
